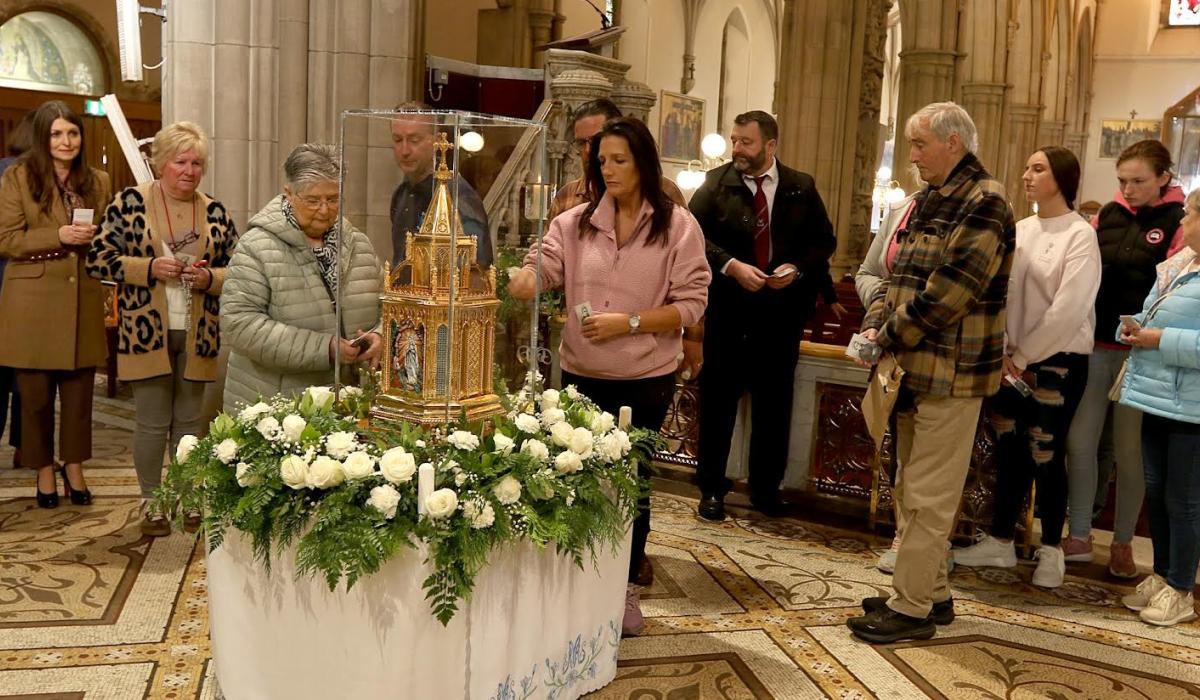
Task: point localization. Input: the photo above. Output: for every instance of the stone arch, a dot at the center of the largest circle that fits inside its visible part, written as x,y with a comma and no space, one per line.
735,67
1055,80
94,30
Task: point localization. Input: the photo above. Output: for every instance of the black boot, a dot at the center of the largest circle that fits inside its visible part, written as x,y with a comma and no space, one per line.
885,626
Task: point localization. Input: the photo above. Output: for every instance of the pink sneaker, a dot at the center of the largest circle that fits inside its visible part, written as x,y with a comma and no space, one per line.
633,624
1120,560
1075,549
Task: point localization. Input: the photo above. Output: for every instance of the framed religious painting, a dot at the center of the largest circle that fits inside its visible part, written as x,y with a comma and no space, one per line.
1180,13
680,127
1117,134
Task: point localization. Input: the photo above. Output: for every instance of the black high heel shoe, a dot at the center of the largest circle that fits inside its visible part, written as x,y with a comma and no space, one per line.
47,500
79,498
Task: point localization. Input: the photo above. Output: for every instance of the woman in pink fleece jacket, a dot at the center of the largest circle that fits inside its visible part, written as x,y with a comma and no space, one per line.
637,261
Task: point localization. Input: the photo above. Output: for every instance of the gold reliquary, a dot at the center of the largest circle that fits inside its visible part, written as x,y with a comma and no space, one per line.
439,321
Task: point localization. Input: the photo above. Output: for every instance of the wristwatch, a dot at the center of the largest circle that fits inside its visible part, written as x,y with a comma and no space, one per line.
635,323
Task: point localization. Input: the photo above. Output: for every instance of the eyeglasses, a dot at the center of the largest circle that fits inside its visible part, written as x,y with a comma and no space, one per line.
581,144
315,203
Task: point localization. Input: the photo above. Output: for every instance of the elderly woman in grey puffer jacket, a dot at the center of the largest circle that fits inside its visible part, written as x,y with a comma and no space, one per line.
278,303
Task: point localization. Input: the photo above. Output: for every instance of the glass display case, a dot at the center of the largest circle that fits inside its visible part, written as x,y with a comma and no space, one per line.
1181,134
436,193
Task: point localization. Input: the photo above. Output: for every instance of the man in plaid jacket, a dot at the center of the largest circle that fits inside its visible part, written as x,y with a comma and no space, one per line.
941,313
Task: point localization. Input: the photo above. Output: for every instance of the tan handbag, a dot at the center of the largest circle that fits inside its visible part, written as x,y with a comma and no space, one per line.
880,399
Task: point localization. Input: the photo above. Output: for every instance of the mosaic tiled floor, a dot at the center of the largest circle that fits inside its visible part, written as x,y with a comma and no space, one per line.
749,608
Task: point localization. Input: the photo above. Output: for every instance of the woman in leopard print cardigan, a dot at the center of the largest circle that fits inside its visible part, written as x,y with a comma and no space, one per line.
167,245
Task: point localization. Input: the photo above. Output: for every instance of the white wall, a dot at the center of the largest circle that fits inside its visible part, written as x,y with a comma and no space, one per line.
653,45
1139,66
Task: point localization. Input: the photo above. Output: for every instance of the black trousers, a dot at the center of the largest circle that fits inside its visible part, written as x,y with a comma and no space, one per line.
1031,443
732,366
649,400
8,386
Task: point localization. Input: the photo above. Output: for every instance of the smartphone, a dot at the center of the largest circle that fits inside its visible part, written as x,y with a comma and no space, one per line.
783,273
1019,384
82,217
1130,321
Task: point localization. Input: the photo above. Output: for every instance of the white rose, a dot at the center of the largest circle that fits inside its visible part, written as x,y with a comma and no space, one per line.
537,448
351,392
567,462
322,397
294,471
581,442
268,427
441,504
610,447
560,433
623,440
341,443
187,443
550,399
479,513
359,465
508,491
244,478
250,414
460,479
226,450
504,444
527,423
463,440
397,465
384,499
553,415
602,422
325,473
293,427
572,392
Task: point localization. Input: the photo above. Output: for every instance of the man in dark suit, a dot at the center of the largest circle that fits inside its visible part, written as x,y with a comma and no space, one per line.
768,241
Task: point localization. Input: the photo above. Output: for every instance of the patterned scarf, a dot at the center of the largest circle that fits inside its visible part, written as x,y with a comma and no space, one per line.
326,254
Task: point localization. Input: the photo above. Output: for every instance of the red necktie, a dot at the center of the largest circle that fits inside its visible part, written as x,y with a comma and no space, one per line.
762,226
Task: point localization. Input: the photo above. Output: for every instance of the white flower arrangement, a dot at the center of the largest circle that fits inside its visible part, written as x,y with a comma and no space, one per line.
271,468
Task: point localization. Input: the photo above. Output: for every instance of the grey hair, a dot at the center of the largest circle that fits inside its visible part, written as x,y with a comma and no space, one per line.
1193,200
944,119
309,164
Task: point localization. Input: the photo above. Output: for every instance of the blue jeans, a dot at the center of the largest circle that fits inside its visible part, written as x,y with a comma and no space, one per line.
1171,452
1083,442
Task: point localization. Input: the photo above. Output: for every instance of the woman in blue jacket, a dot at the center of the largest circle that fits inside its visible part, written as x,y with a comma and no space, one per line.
1162,380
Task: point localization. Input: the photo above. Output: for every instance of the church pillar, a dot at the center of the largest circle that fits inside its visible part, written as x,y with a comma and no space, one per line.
1076,142
929,35
1023,134
828,106
1051,133
984,66
293,75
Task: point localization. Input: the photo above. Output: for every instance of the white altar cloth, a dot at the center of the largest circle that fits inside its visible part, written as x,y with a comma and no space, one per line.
536,626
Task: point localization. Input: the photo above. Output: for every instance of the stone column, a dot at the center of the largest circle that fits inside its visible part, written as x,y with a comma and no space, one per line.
1076,142
635,100
1051,133
541,31
1023,133
828,105
188,72
929,36
293,74
984,67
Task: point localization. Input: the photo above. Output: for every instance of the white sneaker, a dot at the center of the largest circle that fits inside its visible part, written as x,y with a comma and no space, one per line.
1051,567
988,551
1169,607
887,560
1140,599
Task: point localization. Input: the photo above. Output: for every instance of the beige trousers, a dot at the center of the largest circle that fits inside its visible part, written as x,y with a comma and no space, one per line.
933,442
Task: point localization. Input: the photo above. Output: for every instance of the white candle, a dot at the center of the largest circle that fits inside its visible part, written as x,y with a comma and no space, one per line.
625,418
424,485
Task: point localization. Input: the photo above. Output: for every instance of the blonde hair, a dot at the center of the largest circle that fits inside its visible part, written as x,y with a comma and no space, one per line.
1193,200
177,138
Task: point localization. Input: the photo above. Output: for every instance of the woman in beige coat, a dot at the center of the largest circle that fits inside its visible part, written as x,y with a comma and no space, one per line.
167,245
277,308
51,312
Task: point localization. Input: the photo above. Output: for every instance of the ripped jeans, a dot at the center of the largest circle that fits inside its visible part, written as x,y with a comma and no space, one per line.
1031,443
